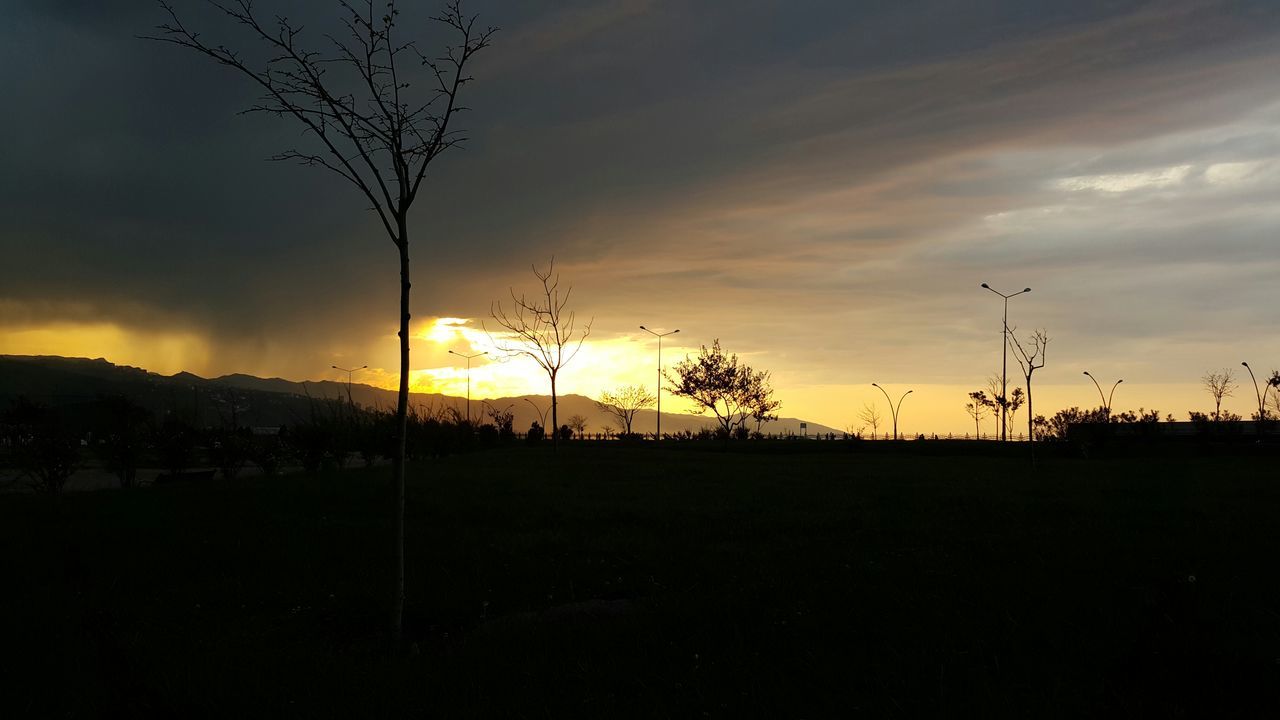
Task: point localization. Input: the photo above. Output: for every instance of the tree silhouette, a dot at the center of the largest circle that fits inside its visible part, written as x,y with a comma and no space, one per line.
1006,406
624,403
578,424
871,416
541,329
716,381
977,409
368,125
1030,359
1273,383
1220,385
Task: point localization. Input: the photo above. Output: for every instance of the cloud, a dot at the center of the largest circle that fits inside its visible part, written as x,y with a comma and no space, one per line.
820,185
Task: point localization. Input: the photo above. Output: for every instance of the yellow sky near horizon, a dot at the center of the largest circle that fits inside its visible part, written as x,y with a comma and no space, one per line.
609,362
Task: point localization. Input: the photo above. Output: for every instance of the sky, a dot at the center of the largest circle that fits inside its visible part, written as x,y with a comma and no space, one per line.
821,186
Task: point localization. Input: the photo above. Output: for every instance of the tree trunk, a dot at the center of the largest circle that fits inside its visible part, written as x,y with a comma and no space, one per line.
1031,416
555,419
402,425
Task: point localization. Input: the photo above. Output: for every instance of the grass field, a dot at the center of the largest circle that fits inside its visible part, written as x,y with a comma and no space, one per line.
611,581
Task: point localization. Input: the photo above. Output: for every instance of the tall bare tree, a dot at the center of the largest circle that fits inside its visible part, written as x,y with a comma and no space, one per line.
624,403
1220,385
368,123
1030,359
540,328
871,416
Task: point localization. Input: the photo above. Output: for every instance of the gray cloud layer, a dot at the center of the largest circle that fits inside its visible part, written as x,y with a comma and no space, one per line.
825,182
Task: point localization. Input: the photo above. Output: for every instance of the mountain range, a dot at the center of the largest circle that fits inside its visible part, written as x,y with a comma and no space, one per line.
254,401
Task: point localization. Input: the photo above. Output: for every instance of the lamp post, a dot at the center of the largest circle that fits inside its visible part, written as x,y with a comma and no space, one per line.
542,414
1004,366
348,371
1261,395
657,435
893,409
1106,400
468,357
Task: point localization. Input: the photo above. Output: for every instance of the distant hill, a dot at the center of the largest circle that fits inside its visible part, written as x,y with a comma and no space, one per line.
255,401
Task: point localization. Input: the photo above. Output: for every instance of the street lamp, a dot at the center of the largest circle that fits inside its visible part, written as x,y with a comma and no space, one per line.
893,409
1004,368
542,414
657,436
1261,396
348,371
1106,401
468,357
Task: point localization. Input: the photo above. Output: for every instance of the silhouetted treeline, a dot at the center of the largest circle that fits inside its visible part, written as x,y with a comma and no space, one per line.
42,446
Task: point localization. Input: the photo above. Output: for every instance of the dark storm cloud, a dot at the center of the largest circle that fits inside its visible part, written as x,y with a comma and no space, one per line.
785,157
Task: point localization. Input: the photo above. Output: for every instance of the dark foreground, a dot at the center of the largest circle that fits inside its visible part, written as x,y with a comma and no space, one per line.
616,581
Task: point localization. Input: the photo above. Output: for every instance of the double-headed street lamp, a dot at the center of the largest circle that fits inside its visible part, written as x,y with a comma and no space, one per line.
1004,366
657,435
348,371
542,414
468,357
892,408
1106,401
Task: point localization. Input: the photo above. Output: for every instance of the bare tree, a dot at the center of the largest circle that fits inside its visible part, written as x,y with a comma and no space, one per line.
1030,359
871,416
578,424
1008,405
368,124
540,328
1220,385
624,403
731,390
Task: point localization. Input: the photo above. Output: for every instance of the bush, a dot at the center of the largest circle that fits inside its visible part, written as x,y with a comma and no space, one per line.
535,434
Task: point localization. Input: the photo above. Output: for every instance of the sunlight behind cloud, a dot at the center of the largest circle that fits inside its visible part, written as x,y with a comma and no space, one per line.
160,352
602,364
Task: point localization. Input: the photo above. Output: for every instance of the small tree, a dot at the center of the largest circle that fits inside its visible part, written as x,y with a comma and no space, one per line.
717,382
1008,405
540,328
871,416
977,409
1016,400
983,403
624,403
1030,359
578,424
1220,385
